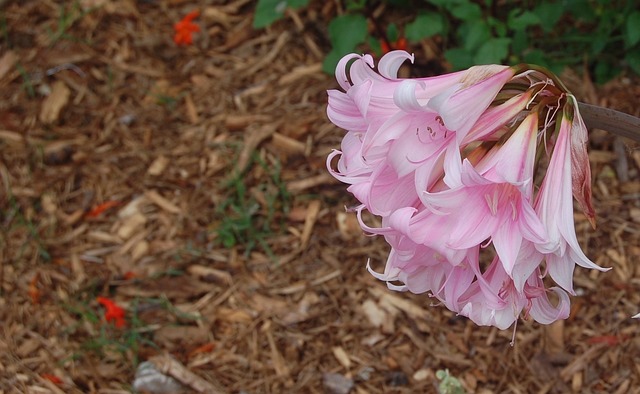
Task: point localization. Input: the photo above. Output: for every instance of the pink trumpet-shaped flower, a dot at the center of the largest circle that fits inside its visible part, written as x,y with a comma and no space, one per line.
494,300
555,208
449,163
397,128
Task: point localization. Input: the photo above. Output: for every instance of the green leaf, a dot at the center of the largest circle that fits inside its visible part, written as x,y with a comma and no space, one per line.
633,61
549,14
598,44
493,51
396,3
535,56
459,58
269,11
356,5
375,46
347,31
467,11
447,3
633,29
473,34
604,72
425,25
520,41
583,10
392,32
498,26
519,21
331,61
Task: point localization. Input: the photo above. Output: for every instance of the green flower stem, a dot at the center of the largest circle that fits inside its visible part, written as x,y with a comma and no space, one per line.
610,120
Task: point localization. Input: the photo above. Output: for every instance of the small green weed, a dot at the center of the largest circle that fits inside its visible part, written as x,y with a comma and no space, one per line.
269,11
16,221
66,18
244,220
448,384
27,84
108,339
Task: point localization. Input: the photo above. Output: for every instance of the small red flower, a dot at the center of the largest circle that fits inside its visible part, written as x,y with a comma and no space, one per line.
185,28
52,378
113,312
99,209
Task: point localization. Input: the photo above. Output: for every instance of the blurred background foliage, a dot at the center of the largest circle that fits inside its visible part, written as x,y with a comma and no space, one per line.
599,36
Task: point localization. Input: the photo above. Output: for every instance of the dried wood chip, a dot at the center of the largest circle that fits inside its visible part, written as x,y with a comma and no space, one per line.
7,61
408,307
581,362
215,14
327,277
252,139
131,225
307,183
348,225
13,137
140,250
301,313
240,122
341,356
374,313
312,215
300,72
288,145
279,364
192,111
172,367
423,374
132,208
158,166
554,337
162,202
601,156
576,382
48,204
234,315
209,274
172,336
149,379
55,102
335,383
272,55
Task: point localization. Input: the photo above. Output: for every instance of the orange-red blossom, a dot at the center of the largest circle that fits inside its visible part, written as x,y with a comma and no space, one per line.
113,312
185,29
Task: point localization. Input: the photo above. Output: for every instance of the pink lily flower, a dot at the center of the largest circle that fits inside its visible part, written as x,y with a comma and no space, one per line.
554,206
449,164
398,131
493,300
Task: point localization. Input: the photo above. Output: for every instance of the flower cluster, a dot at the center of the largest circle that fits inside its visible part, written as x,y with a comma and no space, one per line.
454,164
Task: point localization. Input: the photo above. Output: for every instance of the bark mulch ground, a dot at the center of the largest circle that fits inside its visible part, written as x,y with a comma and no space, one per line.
187,185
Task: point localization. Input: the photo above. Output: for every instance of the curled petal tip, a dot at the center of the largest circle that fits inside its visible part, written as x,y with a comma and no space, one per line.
592,221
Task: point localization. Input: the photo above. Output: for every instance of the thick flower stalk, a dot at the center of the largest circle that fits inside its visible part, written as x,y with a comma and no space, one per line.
474,175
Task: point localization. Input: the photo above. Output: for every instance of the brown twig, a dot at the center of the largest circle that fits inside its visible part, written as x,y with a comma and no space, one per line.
616,122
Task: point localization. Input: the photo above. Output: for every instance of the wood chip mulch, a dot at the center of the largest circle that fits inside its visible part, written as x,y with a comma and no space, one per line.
187,185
